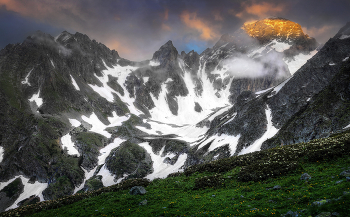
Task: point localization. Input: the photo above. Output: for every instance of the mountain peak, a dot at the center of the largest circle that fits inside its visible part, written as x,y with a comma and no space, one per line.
166,53
169,43
274,27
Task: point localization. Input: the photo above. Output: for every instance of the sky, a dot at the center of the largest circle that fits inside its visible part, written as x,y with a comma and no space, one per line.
137,28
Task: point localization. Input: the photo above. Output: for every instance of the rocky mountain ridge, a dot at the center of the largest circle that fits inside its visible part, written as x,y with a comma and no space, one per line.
74,114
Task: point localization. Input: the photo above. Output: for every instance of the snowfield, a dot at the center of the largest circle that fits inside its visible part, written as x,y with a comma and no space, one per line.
270,132
29,189
36,98
1,153
74,83
67,142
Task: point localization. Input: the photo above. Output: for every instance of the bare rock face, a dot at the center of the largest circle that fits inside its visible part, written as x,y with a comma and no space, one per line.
10,193
129,159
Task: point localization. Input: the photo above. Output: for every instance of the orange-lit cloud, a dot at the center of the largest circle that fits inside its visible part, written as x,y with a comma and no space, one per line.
260,10
191,20
116,45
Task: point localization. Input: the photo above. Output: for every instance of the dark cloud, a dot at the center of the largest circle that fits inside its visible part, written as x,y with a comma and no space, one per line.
137,28
14,28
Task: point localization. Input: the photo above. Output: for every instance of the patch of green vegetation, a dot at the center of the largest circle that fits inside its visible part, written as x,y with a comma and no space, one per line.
10,90
191,194
90,138
62,187
129,158
92,184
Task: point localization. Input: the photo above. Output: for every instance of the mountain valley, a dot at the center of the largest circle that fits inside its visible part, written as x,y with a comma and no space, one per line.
75,116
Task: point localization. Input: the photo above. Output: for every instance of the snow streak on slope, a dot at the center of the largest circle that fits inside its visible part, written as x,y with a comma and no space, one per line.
161,169
27,77
270,132
29,189
344,36
298,61
188,133
278,87
343,128
107,177
99,127
1,154
221,140
120,72
68,143
74,83
186,113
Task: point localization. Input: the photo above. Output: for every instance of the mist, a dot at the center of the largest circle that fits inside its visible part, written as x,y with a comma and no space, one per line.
242,66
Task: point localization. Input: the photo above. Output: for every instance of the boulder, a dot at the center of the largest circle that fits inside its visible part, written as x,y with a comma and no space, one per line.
137,190
305,176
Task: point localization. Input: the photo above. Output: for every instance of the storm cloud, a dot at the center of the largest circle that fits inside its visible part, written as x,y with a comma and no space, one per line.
137,28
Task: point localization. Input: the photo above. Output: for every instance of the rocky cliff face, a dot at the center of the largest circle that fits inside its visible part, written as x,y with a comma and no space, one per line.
311,104
74,113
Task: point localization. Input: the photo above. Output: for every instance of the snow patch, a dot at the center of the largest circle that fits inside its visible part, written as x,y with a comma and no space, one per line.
88,175
279,46
231,118
99,127
52,63
26,78
1,154
74,122
75,83
262,91
344,36
104,152
29,189
298,61
161,169
107,177
278,87
145,79
168,80
36,99
188,133
120,72
332,64
343,128
218,141
270,132
102,91
345,59
154,63
68,143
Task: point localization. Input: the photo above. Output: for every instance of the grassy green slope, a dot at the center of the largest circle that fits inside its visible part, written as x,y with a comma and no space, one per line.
234,186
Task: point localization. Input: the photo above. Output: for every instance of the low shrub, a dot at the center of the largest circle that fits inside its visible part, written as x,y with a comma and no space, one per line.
264,170
209,182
